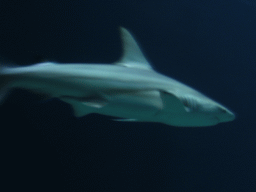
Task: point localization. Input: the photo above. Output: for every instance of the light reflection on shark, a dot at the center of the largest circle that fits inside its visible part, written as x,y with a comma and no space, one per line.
129,89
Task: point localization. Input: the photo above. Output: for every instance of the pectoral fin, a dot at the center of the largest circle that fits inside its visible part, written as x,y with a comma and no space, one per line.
84,106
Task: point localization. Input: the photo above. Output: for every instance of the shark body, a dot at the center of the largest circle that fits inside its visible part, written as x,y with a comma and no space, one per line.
129,89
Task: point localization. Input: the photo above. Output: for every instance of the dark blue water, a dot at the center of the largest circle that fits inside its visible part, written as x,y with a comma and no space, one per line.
209,45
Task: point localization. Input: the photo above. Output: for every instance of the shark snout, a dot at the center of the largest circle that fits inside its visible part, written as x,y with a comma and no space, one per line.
225,115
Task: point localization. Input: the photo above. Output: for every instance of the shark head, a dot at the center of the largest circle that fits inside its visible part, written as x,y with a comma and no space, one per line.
191,111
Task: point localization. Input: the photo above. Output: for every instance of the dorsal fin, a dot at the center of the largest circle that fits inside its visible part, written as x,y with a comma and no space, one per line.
132,55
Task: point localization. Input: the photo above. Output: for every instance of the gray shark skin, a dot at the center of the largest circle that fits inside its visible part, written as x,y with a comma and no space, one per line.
129,89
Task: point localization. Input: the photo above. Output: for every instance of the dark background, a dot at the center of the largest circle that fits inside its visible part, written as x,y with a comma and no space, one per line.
209,45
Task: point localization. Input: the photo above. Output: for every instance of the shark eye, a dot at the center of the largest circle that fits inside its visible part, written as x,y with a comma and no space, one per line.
222,110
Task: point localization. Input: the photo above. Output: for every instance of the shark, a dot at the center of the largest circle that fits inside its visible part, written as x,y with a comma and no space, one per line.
129,90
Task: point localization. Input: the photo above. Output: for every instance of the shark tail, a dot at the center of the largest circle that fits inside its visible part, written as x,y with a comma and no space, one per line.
4,83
